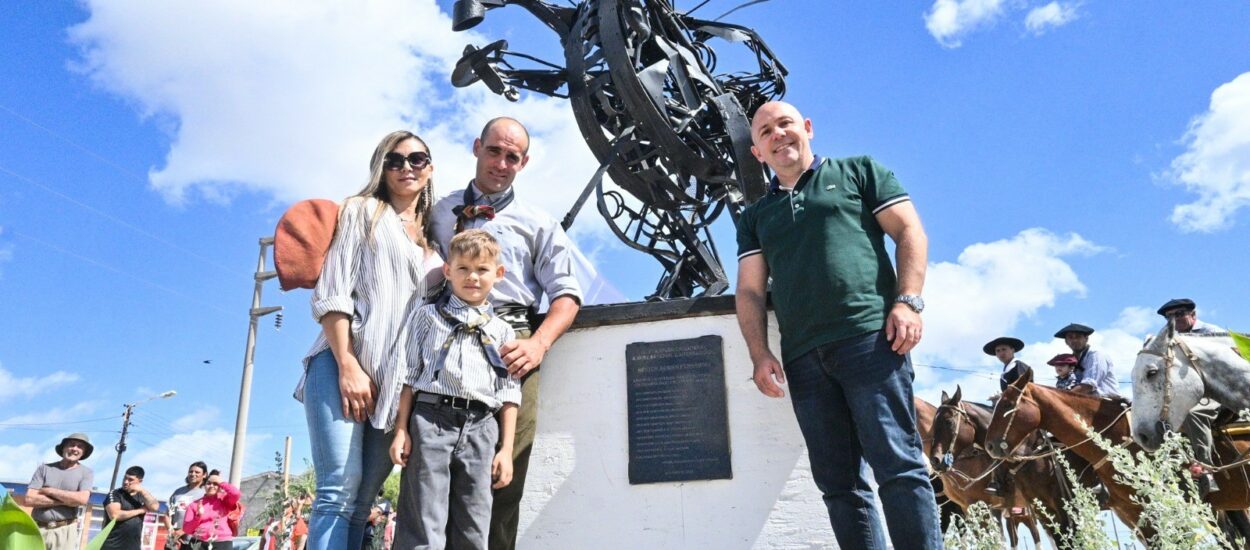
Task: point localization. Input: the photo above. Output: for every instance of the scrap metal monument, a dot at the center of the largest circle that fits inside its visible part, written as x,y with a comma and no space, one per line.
670,129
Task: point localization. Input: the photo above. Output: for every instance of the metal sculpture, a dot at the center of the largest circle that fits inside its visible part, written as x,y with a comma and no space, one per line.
671,131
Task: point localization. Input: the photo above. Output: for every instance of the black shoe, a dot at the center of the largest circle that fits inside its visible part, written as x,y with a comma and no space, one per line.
993,488
1103,496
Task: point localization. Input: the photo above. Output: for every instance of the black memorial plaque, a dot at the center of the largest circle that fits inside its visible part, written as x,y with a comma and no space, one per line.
678,421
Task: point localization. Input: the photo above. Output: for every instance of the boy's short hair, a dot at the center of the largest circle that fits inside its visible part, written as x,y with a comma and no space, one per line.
136,471
473,243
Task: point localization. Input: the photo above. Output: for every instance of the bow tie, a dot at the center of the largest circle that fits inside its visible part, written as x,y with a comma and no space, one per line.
478,211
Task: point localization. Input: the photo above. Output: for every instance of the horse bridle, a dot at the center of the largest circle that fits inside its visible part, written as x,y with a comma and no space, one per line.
960,415
1010,415
1169,360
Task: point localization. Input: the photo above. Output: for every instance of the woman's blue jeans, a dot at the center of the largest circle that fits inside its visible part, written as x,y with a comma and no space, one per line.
350,459
853,401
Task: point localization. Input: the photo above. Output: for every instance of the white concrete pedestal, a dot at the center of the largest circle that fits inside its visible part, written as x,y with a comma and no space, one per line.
578,495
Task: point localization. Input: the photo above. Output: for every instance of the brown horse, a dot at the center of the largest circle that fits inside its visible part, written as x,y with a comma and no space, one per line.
958,454
947,508
1025,408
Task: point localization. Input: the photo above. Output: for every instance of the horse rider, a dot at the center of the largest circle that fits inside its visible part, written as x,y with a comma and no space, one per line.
1095,376
1065,370
1182,314
1094,371
1005,349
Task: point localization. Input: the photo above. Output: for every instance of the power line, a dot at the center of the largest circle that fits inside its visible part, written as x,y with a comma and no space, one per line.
105,266
980,373
112,218
24,424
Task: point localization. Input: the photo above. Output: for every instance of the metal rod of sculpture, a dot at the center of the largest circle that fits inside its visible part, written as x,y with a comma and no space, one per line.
670,131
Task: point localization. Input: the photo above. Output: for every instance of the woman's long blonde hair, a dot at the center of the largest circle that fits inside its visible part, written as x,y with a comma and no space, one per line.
376,187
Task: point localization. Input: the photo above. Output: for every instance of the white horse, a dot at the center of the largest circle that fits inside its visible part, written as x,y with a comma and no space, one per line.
1174,371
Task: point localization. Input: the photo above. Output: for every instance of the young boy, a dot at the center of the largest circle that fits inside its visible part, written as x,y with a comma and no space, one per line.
1065,366
456,385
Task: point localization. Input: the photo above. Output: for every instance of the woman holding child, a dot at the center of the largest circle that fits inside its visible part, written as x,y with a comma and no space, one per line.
379,267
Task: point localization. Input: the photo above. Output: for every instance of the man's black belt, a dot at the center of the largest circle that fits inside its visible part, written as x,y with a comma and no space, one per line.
56,524
453,402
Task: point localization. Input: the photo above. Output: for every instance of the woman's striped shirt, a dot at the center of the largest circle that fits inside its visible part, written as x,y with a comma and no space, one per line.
377,280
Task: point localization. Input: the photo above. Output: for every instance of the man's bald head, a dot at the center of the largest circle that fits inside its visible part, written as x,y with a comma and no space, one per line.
771,110
510,124
781,138
502,152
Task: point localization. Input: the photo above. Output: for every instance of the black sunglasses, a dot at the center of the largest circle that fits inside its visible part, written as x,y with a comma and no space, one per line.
395,161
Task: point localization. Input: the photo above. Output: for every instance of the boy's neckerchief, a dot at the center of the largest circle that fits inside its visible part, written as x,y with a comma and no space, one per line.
467,210
474,328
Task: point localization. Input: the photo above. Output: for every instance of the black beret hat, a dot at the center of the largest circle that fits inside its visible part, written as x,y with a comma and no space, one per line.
1015,344
1074,327
1185,303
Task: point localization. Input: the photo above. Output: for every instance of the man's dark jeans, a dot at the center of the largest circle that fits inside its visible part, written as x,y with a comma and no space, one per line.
853,400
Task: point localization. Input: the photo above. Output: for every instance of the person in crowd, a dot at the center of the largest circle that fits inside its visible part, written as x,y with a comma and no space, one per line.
1005,349
380,265
1094,370
127,507
538,258
58,490
377,522
181,498
205,524
299,526
1065,370
1182,313
844,347
457,379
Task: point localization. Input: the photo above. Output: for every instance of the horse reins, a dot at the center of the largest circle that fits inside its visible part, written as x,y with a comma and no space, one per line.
1169,360
1010,415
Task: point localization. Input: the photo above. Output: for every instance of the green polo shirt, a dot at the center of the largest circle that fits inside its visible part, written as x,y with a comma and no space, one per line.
831,275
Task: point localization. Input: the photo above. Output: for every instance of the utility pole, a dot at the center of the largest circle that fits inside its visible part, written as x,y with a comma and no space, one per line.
121,446
121,443
286,469
245,388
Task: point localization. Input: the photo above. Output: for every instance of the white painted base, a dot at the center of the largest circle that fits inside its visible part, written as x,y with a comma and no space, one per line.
578,493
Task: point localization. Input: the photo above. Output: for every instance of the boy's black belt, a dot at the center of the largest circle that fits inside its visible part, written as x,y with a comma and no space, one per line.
453,402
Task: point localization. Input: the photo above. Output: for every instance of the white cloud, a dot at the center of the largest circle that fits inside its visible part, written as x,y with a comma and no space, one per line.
205,416
1216,163
949,20
165,463
991,287
1121,341
12,386
55,415
1043,18
290,99
18,462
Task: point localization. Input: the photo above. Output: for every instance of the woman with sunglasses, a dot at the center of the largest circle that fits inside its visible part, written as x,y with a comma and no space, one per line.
379,265
206,522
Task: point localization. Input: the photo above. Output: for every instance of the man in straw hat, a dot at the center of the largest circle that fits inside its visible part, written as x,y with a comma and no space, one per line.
58,489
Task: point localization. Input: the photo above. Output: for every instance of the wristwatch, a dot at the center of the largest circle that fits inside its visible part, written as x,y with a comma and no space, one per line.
913,301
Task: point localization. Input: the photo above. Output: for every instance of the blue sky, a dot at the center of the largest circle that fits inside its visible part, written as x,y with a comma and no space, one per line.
1071,162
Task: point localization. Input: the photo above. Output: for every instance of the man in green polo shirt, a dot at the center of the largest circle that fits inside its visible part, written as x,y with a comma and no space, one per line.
847,322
